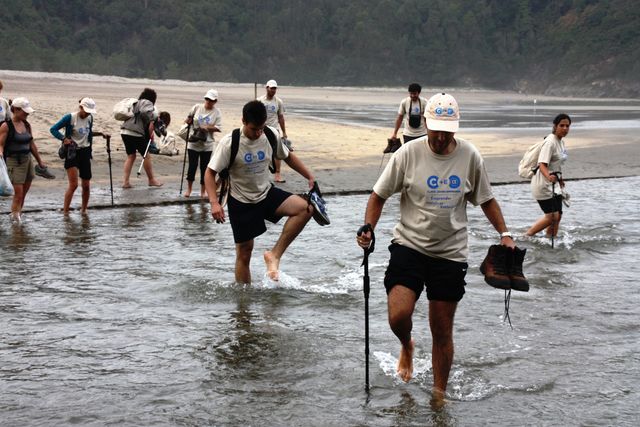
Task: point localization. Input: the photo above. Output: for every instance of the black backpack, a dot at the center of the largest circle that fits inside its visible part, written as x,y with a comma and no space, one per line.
235,146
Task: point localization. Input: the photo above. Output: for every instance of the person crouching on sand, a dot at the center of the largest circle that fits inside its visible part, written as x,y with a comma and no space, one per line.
253,198
77,140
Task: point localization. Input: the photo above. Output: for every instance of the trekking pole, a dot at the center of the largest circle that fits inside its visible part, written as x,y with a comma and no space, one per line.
146,151
553,217
184,159
108,138
366,288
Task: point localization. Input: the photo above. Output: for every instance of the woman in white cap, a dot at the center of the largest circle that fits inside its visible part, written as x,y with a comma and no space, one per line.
76,149
17,146
206,120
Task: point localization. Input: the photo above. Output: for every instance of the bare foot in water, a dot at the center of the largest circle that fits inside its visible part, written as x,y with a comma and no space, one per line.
126,185
273,264
155,183
437,401
187,193
405,362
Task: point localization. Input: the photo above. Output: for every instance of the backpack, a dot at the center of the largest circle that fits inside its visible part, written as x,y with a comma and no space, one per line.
123,110
528,165
223,175
415,120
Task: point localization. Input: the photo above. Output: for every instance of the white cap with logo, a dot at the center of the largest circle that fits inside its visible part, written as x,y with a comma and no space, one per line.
211,94
272,83
23,104
442,113
88,105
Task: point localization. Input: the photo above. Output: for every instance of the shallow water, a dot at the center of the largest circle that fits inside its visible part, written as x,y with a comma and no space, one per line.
592,114
130,317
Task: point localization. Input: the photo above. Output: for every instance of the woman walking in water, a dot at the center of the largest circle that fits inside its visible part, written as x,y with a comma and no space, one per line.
547,183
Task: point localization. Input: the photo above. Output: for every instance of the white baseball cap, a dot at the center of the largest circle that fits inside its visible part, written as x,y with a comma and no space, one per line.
442,113
211,94
272,83
88,105
23,104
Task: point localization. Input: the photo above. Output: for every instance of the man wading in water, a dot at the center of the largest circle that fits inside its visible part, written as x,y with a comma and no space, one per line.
436,178
252,196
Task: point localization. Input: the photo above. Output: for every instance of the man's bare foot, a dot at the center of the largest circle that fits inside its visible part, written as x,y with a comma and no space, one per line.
278,178
155,183
126,185
273,264
187,193
437,399
405,362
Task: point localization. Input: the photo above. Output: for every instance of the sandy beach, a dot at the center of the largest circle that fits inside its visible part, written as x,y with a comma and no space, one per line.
344,158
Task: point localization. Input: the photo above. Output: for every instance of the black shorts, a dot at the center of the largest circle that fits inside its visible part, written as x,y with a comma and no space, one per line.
135,143
553,204
82,161
444,279
406,138
247,219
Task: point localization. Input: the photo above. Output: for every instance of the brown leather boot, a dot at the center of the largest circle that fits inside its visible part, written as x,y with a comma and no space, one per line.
392,145
495,267
518,281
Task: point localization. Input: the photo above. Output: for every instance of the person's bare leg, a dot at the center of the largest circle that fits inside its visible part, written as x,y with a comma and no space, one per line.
441,315
72,177
299,213
128,166
540,224
17,202
203,192
86,192
189,189
400,304
243,260
148,169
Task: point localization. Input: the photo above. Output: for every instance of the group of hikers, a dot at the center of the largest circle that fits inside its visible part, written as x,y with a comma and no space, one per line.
436,173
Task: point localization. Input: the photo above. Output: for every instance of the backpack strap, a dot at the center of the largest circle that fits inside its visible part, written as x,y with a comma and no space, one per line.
272,141
235,146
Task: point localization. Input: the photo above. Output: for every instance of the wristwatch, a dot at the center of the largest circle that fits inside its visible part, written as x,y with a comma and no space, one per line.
505,234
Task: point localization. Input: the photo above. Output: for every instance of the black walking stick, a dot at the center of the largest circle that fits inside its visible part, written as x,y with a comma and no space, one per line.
366,288
108,138
184,159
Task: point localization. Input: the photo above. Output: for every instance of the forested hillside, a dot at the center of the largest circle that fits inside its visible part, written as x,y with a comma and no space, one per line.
578,47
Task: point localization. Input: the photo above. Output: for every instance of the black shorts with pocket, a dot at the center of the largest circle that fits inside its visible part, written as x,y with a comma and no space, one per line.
553,204
443,278
134,143
247,219
82,161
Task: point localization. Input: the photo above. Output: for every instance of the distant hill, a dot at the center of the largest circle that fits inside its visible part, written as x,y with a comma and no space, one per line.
562,47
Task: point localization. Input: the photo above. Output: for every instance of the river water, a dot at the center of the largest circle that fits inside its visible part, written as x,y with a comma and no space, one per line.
131,318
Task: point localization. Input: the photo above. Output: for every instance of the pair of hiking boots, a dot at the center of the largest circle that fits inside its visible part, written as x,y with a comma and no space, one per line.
502,268
392,145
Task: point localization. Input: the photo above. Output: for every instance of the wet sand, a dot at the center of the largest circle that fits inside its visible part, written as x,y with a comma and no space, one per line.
344,159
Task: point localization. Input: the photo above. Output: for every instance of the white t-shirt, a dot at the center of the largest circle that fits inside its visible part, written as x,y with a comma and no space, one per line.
204,117
434,191
5,110
250,176
417,108
80,132
274,107
554,154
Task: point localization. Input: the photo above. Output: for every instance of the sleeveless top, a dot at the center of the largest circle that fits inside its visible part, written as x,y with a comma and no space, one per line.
17,142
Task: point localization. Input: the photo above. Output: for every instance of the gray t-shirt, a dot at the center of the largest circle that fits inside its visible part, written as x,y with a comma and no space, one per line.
553,153
434,191
250,177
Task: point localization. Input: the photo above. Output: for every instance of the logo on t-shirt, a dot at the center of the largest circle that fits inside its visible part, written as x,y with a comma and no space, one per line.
250,157
434,181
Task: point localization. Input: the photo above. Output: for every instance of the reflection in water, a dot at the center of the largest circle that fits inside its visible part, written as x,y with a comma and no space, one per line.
199,212
246,349
19,237
77,231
